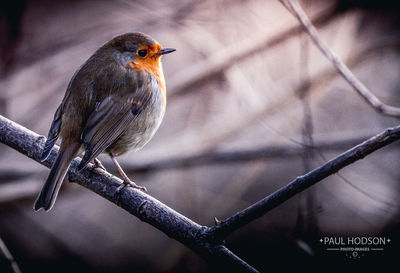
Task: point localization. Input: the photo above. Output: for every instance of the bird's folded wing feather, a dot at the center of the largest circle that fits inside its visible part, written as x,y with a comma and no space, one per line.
54,131
109,121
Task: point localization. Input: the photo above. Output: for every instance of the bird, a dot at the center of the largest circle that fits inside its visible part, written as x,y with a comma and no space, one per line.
114,103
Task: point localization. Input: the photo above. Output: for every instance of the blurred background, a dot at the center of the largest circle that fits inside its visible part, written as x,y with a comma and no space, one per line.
251,105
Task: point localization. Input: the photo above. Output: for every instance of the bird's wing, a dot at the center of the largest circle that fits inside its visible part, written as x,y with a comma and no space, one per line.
109,121
54,131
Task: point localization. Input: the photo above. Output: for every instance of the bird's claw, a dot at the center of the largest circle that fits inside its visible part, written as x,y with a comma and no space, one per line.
97,164
142,188
129,183
135,186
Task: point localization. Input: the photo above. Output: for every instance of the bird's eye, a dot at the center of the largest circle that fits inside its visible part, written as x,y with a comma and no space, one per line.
142,53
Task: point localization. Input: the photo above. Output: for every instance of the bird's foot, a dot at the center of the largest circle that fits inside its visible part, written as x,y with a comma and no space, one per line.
97,165
132,184
129,183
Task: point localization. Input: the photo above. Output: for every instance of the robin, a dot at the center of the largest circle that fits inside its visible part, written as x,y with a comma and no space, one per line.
114,104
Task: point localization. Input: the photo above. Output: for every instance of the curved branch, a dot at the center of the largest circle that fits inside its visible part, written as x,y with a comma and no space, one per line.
301,183
294,8
143,206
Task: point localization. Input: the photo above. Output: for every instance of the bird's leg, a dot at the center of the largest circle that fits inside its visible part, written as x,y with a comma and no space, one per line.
97,164
125,178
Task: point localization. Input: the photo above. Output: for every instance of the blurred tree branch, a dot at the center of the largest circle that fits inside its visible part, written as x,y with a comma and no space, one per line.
258,209
25,184
306,229
22,184
242,155
23,188
139,204
294,7
9,257
314,84
215,65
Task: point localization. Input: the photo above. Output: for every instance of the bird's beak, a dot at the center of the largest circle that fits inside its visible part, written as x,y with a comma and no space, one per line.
165,51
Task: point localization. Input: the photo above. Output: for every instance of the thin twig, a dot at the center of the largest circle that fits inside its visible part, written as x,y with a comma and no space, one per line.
7,254
238,220
139,204
294,7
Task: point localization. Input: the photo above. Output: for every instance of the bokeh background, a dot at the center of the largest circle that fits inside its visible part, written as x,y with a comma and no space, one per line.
246,82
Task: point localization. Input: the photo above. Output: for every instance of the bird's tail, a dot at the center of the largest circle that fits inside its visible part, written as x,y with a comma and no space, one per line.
49,192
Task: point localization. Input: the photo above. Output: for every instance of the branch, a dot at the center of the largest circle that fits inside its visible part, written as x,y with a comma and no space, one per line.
294,7
216,65
9,257
139,204
241,155
17,190
18,187
238,220
248,118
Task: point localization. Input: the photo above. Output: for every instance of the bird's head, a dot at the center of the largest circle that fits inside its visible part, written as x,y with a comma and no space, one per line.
138,51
